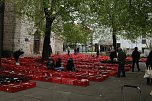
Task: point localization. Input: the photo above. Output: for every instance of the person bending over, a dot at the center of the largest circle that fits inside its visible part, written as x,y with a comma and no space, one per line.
17,54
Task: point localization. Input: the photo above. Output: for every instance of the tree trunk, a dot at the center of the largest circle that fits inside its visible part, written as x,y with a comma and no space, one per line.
114,41
45,53
2,6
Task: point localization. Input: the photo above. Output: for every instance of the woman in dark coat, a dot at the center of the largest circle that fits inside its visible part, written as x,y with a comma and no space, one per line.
70,65
149,65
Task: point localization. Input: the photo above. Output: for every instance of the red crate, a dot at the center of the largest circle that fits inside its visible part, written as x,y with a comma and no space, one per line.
57,80
46,78
36,77
112,73
105,76
82,82
99,79
79,76
91,77
27,85
69,81
12,88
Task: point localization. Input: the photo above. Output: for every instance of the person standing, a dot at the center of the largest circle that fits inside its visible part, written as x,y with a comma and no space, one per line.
112,56
135,59
68,49
97,53
121,62
149,66
75,51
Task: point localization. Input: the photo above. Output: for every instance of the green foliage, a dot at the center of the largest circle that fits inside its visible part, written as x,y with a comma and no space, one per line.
137,20
75,33
36,10
134,17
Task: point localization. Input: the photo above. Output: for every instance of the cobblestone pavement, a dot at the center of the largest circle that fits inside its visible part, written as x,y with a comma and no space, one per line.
108,90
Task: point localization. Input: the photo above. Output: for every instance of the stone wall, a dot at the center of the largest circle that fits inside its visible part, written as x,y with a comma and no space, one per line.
16,33
19,34
9,28
26,39
16,38
57,44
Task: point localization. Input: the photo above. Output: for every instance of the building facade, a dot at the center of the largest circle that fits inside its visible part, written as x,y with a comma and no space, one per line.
17,35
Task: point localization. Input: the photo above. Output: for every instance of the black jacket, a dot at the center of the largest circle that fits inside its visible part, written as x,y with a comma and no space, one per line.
149,59
135,55
17,53
58,63
70,65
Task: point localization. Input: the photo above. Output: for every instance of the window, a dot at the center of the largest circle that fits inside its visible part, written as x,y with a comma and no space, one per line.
143,41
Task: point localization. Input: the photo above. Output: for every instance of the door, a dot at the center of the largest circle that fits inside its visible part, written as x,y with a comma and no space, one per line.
36,44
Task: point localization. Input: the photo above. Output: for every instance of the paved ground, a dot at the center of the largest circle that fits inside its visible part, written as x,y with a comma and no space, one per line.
108,90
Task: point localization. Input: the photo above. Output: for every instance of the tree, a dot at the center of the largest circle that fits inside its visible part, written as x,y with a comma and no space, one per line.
129,18
108,12
138,20
75,33
45,12
118,15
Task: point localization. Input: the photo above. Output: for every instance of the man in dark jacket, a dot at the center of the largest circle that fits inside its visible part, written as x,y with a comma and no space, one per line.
135,59
149,66
121,62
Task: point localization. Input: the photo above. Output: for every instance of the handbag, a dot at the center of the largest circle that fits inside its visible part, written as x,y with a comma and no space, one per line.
148,73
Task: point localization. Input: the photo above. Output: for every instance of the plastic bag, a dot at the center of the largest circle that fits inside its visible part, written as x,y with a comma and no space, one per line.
148,73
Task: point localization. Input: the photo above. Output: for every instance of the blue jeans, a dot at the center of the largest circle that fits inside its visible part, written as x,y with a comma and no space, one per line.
59,68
